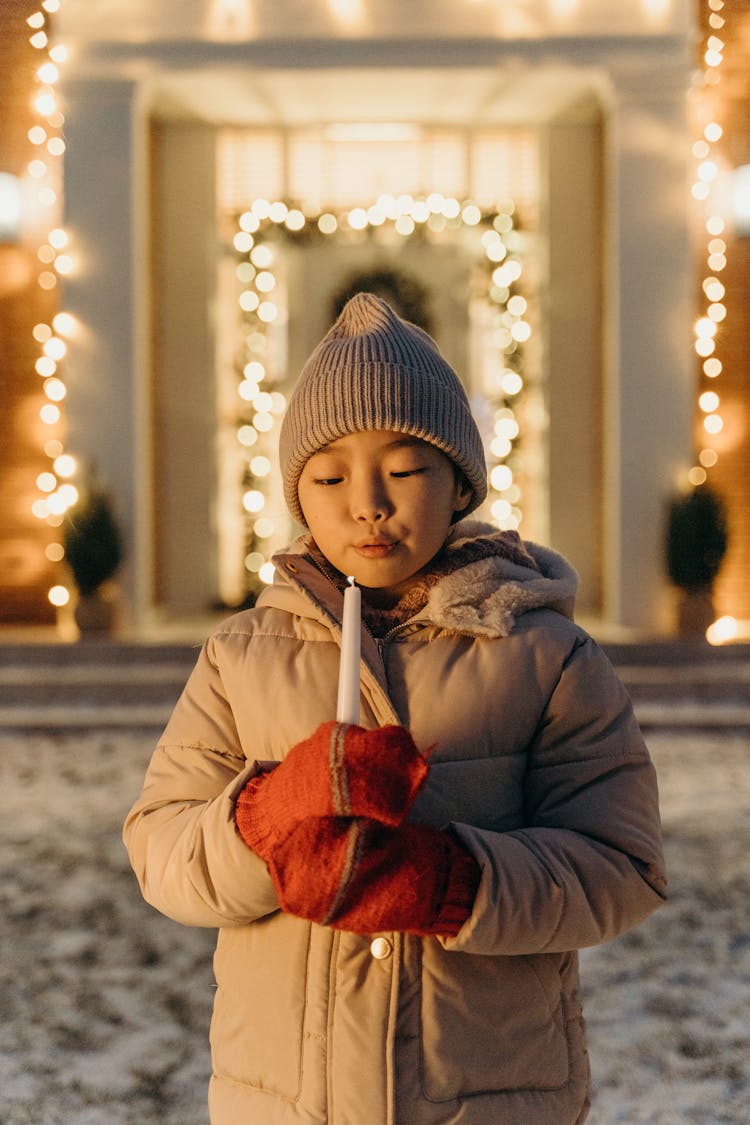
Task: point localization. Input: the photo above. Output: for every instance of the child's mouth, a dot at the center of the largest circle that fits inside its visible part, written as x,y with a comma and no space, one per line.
376,550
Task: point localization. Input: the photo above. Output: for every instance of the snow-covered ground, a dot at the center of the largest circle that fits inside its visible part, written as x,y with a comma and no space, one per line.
105,1005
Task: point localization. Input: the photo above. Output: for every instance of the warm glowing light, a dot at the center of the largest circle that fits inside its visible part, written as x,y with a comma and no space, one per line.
521,331
265,281
48,73
64,264
264,527
266,573
501,478
247,435
708,171
55,348
709,402
46,482
54,552
500,447
65,465
708,458
405,225
713,424
724,629
511,383
249,300
262,257
247,390
501,511
45,103
50,414
243,242
253,501
327,224
64,324
295,220
267,311
59,596
705,327
507,428
260,466
697,476
55,389
45,366
713,132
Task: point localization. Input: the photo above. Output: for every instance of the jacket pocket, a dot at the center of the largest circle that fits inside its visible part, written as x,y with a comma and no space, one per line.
491,1024
259,1008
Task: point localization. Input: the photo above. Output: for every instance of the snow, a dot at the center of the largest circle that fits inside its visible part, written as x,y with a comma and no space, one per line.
106,1004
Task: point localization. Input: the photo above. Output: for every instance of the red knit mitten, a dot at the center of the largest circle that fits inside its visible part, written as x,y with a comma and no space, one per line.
363,877
342,770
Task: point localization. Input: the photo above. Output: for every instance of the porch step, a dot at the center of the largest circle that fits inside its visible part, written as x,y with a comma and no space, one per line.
95,684
686,685
115,684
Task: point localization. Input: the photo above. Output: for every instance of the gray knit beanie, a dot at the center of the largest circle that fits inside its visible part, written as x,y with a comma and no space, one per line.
374,371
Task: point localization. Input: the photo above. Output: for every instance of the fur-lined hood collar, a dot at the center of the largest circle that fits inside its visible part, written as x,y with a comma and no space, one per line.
482,598
485,597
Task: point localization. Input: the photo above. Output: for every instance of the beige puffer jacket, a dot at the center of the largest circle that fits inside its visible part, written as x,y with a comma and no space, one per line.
539,767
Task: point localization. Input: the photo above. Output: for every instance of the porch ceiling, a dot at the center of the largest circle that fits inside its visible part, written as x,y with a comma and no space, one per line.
515,95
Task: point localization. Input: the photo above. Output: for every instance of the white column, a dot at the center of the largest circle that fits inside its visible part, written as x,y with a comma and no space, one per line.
103,168
650,389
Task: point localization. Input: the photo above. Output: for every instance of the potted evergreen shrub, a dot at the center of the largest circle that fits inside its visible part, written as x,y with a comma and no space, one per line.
696,543
93,550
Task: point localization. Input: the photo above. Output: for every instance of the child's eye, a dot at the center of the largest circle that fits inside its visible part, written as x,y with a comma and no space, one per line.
328,480
409,472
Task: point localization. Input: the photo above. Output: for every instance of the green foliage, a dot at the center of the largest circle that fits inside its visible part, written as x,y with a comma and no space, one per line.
697,539
92,541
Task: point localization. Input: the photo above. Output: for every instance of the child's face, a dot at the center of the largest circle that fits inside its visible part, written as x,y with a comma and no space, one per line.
379,506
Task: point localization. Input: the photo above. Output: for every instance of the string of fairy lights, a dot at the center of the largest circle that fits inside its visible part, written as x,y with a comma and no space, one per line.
55,487
705,191
263,228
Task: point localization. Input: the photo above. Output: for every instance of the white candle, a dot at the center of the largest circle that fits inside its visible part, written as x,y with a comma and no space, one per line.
347,710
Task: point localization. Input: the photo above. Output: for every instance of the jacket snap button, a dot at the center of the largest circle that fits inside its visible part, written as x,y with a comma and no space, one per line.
381,948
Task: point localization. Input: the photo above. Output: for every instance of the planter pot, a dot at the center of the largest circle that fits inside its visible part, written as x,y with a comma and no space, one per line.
96,614
695,612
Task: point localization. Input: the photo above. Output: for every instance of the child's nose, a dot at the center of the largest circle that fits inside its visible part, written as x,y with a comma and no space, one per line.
371,503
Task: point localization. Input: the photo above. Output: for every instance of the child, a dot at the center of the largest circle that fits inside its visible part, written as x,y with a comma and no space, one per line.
399,903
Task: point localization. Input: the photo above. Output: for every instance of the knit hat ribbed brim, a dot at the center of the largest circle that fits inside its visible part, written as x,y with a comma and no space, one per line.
375,371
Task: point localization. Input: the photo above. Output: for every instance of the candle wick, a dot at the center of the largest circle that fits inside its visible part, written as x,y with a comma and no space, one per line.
350,579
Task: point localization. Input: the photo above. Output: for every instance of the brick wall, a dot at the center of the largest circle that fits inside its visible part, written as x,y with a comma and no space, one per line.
731,475
25,573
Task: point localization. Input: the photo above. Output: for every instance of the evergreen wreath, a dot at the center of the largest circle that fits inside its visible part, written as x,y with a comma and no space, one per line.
406,295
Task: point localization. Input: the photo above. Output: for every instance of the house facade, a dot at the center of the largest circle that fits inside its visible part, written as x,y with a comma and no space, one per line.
520,172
